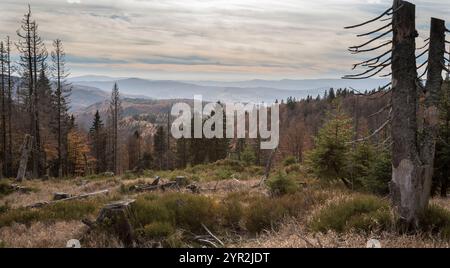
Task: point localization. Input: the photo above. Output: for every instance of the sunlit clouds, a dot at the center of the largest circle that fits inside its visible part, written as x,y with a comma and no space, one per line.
206,39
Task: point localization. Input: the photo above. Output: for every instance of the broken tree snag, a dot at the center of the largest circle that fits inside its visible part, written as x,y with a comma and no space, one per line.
268,167
431,112
406,165
25,153
117,218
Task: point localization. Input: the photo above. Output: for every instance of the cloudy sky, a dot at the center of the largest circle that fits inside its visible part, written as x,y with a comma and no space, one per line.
207,39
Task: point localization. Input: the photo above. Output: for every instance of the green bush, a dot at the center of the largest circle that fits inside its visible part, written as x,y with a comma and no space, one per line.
232,212
263,214
282,184
380,173
74,210
223,174
436,220
179,209
290,160
231,164
299,203
362,213
5,189
248,156
157,230
130,175
4,208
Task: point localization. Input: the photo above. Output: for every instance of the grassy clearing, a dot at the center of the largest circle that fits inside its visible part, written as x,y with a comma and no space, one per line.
370,214
362,213
436,220
160,217
73,210
220,170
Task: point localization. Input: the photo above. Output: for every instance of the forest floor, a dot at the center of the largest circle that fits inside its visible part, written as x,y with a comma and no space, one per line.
248,214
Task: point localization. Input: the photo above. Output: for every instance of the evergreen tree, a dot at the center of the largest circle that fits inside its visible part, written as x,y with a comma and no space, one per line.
115,114
328,159
159,145
442,159
98,143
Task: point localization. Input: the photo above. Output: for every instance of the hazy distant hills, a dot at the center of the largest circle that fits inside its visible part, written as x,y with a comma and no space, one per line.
84,96
91,89
307,84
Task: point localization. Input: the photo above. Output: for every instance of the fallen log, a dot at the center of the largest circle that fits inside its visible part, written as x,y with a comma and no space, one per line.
75,197
151,187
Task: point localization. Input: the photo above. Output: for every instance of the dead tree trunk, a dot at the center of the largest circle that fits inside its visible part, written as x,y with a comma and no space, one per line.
431,111
406,164
26,149
413,157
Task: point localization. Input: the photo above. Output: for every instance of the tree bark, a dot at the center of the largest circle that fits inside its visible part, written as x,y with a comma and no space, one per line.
26,148
406,171
431,111
413,158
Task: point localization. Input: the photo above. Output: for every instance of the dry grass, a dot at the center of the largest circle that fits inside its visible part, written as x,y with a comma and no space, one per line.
40,235
44,190
293,234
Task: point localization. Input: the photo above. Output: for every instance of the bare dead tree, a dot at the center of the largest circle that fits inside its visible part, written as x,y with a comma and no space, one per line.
62,93
9,160
413,148
3,108
32,54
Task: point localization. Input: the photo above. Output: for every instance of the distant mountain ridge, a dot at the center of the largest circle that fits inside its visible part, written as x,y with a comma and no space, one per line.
245,91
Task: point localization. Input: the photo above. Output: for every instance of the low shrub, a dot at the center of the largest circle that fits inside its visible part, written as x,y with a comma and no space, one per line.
295,168
179,209
264,213
232,212
282,184
223,174
362,213
290,160
157,230
73,210
130,175
437,221
5,189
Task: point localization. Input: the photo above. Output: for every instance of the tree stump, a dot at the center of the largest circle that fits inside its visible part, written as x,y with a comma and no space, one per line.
117,218
181,181
59,196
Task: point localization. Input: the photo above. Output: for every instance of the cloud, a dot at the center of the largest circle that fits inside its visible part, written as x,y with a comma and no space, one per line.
216,38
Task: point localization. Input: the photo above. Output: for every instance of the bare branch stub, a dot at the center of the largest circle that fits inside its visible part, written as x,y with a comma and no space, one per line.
372,20
373,65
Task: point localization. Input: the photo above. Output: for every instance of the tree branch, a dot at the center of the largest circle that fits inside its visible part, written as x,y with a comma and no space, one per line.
356,48
370,21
